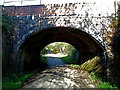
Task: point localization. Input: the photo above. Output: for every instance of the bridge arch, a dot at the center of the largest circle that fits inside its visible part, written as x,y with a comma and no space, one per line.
83,42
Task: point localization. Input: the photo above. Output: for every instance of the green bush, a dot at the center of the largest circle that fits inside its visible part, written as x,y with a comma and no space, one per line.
43,59
68,59
105,85
59,47
93,64
15,81
101,84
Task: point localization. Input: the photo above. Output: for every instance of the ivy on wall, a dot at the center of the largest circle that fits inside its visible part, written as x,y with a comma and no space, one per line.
7,41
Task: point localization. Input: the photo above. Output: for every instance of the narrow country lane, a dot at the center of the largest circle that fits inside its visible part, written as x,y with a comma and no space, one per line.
54,61
59,75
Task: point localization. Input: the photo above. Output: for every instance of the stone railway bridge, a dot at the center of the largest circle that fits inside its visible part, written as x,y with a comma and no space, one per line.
83,25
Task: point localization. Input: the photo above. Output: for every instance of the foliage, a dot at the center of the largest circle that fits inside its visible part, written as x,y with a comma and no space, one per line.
58,47
68,59
15,80
6,23
43,59
101,84
105,85
7,42
90,65
7,28
116,20
95,78
74,65
113,23
92,76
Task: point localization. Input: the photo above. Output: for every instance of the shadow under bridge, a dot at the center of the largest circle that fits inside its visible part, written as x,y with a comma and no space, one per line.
88,46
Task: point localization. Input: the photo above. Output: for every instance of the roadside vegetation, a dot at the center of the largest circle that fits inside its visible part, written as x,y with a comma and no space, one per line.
58,47
68,59
43,59
62,48
95,64
102,83
15,81
99,80
91,65
94,75
7,42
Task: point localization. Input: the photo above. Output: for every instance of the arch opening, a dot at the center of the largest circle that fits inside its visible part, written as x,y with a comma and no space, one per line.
59,53
83,42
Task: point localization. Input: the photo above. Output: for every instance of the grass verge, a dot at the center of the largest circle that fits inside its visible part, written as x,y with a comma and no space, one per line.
43,59
68,59
15,81
95,78
101,84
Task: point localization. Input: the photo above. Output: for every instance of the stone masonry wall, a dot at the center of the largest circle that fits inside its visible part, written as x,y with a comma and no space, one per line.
85,16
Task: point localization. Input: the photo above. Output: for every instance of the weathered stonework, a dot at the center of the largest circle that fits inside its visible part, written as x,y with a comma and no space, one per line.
84,16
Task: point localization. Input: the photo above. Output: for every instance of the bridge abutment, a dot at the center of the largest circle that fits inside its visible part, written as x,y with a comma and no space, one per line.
80,24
